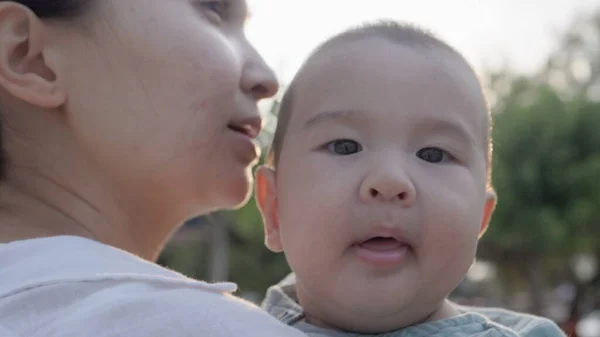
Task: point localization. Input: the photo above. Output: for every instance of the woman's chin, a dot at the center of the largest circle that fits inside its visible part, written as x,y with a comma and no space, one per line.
236,192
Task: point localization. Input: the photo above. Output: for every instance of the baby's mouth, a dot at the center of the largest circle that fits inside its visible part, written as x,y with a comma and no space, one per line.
382,252
382,244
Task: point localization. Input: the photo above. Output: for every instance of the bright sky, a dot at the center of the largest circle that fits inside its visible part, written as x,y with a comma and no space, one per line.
490,33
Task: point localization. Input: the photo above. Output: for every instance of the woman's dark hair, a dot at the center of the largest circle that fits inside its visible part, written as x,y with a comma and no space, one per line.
54,8
45,9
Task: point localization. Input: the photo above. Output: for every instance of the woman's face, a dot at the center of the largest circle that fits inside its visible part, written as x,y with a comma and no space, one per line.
163,94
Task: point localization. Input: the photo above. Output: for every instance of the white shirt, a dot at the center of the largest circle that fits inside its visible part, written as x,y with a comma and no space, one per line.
73,287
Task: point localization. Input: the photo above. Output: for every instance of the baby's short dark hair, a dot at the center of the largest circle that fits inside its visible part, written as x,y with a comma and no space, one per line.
404,34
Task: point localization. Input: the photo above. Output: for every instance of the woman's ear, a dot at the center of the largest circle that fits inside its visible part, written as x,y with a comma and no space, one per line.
28,66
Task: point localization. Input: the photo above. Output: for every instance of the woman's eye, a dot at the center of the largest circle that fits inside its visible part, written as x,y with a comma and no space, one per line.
433,155
218,9
344,147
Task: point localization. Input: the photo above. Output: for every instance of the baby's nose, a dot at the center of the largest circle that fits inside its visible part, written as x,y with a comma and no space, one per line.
393,187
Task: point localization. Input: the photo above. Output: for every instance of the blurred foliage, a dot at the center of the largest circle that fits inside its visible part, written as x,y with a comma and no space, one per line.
546,164
546,171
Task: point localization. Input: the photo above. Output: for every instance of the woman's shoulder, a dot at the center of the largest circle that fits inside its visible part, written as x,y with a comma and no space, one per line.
134,308
99,291
37,262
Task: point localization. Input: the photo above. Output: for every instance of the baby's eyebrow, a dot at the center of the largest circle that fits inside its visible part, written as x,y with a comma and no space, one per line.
447,126
424,124
351,116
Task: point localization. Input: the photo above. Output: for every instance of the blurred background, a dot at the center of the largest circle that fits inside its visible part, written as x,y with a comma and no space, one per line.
539,61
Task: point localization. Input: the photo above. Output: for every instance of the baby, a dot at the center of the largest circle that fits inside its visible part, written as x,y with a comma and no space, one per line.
378,188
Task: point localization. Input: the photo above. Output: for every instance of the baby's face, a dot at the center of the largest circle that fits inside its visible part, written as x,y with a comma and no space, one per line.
380,189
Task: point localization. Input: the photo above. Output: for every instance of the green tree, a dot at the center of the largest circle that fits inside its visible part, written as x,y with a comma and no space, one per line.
547,164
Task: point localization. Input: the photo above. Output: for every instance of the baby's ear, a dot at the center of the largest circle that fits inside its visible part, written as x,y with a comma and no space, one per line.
488,210
266,199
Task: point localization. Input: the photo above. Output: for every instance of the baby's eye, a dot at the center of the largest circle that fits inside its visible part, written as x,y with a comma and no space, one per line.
344,147
433,155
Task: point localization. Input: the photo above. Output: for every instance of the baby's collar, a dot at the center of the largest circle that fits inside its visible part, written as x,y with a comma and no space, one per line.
282,303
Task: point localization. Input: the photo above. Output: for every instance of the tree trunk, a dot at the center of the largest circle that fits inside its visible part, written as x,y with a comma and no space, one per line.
535,284
582,292
219,250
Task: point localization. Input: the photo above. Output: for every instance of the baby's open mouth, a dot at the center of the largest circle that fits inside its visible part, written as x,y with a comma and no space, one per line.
382,244
382,251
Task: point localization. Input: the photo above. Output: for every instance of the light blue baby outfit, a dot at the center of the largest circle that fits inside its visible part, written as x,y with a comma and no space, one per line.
474,322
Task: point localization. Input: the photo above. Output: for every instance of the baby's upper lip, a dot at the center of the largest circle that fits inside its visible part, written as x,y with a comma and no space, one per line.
384,232
250,126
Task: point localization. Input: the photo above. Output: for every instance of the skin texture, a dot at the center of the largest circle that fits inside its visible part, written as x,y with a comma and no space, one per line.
116,124
383,140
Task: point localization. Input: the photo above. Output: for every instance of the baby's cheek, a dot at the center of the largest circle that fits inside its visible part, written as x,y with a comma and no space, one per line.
450,233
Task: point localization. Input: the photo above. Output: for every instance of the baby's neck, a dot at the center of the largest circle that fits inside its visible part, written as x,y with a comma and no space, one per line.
447,310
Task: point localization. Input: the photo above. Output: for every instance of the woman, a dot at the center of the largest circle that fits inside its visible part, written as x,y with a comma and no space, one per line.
121,119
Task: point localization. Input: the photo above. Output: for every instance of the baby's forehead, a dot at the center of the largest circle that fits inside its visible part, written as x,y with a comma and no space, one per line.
367,73
372,52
